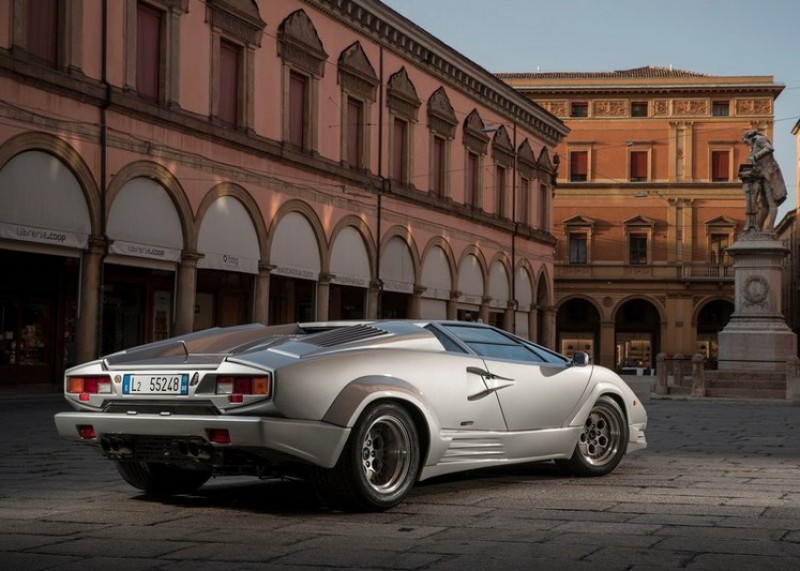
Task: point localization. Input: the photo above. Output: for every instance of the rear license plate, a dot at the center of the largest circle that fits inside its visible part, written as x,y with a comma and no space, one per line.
155,384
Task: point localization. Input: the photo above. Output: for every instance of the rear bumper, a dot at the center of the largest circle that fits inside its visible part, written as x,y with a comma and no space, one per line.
310,441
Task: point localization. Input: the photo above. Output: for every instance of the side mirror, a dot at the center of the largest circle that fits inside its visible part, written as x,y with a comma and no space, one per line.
580,359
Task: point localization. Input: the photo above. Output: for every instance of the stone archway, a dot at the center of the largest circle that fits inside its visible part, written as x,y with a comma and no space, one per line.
578,326
637,338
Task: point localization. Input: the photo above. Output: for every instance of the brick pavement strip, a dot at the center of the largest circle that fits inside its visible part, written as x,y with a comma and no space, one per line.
718,489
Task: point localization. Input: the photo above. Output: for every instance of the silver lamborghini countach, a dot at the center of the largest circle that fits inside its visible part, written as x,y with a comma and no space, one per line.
362,410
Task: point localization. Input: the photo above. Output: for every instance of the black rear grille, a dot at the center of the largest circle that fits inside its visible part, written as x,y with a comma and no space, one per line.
344,335
158,407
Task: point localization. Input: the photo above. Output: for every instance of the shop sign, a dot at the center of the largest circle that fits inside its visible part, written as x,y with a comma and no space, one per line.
353,281
229,262
400,287
145,251
294,272
43,235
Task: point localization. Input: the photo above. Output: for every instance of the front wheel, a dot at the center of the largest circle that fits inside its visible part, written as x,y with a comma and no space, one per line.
162,479
379,463
602,442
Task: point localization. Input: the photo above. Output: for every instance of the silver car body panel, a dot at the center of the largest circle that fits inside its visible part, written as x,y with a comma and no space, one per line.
472,411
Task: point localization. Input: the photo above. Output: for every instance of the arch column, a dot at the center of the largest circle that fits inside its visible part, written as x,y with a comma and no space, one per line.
508,317
262,293
414,309
88,320
484,311
373,296
533,325
607,344
324,296
187,287
452,305
549,325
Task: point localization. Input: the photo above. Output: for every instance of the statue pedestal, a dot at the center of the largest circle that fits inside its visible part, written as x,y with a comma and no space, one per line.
757,337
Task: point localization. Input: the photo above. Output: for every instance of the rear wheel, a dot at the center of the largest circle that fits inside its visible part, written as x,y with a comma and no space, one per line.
602,442
162,479
379,463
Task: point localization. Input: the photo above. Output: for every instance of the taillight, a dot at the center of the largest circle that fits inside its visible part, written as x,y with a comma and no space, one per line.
86,385
236,386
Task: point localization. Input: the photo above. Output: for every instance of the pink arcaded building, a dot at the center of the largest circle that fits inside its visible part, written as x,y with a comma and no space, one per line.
172,165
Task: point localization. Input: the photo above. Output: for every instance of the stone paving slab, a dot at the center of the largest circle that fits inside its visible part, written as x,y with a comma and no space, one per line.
717,489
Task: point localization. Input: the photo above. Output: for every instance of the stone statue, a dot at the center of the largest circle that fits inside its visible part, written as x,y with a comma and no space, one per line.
766,189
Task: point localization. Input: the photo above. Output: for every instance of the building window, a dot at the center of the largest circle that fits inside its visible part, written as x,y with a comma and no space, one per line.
578,166
523,202
399,170
637,248
298,106
638,166
720,108
544,207
473,186
438,166
229,82
718,245
148,51
500,191
42,30
355,132
639,109
720,166
580,109
577,248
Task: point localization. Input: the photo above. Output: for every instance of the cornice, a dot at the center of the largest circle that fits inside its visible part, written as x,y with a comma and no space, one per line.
398,34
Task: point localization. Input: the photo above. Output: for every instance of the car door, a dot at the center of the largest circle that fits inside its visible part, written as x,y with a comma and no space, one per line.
536,388
459,395
535,395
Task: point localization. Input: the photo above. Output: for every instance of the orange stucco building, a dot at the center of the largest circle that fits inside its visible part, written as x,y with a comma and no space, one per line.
171,165
648,199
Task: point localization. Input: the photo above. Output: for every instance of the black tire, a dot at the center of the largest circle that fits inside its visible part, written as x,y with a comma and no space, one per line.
378,466
162,479
602,442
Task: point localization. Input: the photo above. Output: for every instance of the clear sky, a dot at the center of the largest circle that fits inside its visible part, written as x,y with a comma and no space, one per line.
717,37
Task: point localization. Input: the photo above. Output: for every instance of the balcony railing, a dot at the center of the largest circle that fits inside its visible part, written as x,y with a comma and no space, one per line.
682,272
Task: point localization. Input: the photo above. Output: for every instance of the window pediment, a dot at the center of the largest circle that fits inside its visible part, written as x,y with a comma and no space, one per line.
502,148
299,43
356,72
441,117
237,18
402,95
640,221
474,136
579,221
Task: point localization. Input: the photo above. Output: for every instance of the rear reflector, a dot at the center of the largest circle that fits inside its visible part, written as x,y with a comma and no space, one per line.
86,431
219,436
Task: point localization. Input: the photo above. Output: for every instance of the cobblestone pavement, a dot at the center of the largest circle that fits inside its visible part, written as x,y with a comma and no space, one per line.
718,488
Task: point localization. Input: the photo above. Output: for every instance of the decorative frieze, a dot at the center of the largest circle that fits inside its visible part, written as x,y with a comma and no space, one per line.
761,106
692,107
609,109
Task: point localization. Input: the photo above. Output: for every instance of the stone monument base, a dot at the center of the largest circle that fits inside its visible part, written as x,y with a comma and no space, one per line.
757,337
756,345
